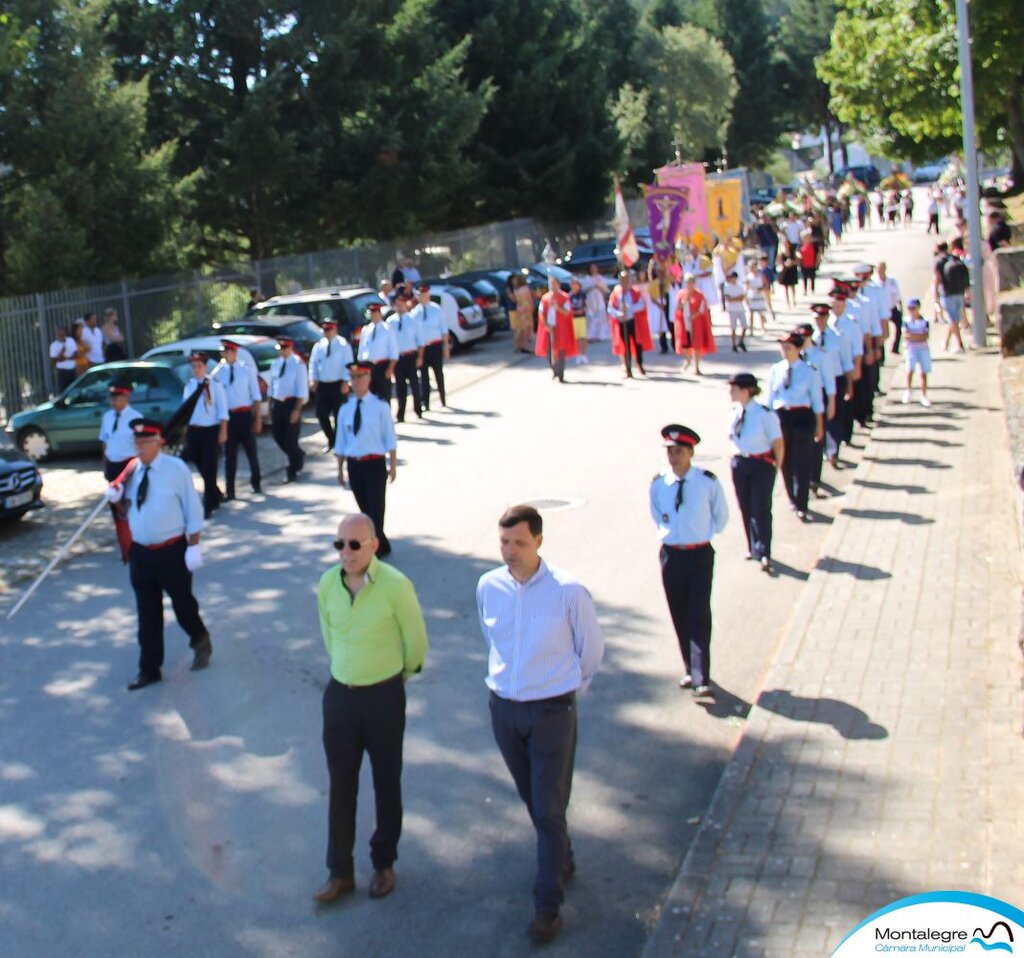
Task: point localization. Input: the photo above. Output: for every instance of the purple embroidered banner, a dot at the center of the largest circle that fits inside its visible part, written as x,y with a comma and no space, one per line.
665,208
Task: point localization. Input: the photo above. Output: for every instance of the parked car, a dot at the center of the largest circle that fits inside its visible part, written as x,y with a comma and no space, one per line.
71,422
300,328
21,484
486,294
542,271
929,172
346,305
465,320
605,254
258,351
867,174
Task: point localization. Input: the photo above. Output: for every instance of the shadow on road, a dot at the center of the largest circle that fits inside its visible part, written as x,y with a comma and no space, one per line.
849,721
856,569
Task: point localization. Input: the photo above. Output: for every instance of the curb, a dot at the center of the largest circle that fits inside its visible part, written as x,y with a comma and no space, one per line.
687,890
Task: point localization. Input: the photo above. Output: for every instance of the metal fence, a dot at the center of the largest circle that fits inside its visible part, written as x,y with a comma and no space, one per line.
159,309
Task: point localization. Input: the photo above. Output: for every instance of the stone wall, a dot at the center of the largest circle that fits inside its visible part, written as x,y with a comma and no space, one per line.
1010,264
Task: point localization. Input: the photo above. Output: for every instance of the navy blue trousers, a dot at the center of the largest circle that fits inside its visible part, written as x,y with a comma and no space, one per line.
754,480
538,742
686,575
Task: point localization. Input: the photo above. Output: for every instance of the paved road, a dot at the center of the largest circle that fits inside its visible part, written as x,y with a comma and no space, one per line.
190,818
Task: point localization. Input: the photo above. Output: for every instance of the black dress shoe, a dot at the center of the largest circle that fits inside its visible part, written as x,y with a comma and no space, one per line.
207,513
257,488
142,680
201,655
229,496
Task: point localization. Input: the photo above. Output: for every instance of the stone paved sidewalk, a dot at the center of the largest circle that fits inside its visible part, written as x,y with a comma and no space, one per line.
884,755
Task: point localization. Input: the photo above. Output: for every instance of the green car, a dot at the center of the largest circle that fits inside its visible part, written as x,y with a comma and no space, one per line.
71,422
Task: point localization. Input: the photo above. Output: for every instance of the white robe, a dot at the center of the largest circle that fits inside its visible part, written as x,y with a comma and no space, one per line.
705,284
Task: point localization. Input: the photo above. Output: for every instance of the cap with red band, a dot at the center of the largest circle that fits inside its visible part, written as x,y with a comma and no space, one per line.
146,427
283,342
329,324
120,390
229,344
676,435
197,357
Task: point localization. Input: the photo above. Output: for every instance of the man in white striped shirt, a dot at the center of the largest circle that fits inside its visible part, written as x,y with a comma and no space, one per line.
545,645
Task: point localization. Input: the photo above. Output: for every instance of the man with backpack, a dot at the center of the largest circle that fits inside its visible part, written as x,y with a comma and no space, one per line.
953,279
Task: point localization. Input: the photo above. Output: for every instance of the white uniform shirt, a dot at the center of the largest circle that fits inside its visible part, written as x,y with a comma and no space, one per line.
240,383
172,507
376,434
329,359
702,513
407,331
116,434
377,343
850,330
753,429
892,291
432,320
833,342
288,379
210,410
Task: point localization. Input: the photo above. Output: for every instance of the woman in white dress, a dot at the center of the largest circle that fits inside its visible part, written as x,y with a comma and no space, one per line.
596,304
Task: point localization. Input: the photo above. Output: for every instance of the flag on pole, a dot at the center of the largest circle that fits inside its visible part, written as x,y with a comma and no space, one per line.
628,252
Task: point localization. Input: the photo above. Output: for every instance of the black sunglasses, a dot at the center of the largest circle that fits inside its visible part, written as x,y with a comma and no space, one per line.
354,544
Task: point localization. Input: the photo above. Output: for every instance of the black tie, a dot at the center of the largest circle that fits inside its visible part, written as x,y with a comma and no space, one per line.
231,374
140,496
330,343
117,416
357,419
789,377
739,423
679,493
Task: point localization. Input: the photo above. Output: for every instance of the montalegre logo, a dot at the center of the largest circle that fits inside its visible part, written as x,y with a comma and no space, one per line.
939,923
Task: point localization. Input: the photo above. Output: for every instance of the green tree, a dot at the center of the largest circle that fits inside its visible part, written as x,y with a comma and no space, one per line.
309,122
84,196
894,76
759,112
685,100
805,34
548,143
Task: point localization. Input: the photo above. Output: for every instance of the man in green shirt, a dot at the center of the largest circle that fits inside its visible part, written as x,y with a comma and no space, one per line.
373,628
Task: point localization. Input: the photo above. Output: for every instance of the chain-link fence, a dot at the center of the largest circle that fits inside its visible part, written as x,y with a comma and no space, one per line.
159,309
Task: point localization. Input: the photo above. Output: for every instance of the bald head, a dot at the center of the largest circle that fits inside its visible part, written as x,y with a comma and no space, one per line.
356,528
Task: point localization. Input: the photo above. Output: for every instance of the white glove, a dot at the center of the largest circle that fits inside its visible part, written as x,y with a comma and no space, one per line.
193,558
114,493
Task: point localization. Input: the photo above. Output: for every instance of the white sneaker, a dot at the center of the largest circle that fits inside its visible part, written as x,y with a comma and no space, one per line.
925,401
906,397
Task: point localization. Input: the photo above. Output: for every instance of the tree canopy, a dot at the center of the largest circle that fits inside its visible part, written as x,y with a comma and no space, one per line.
894,75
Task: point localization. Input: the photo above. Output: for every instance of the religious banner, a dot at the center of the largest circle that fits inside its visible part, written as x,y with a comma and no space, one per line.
665,206
725,208
689,177
628,252
740,174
